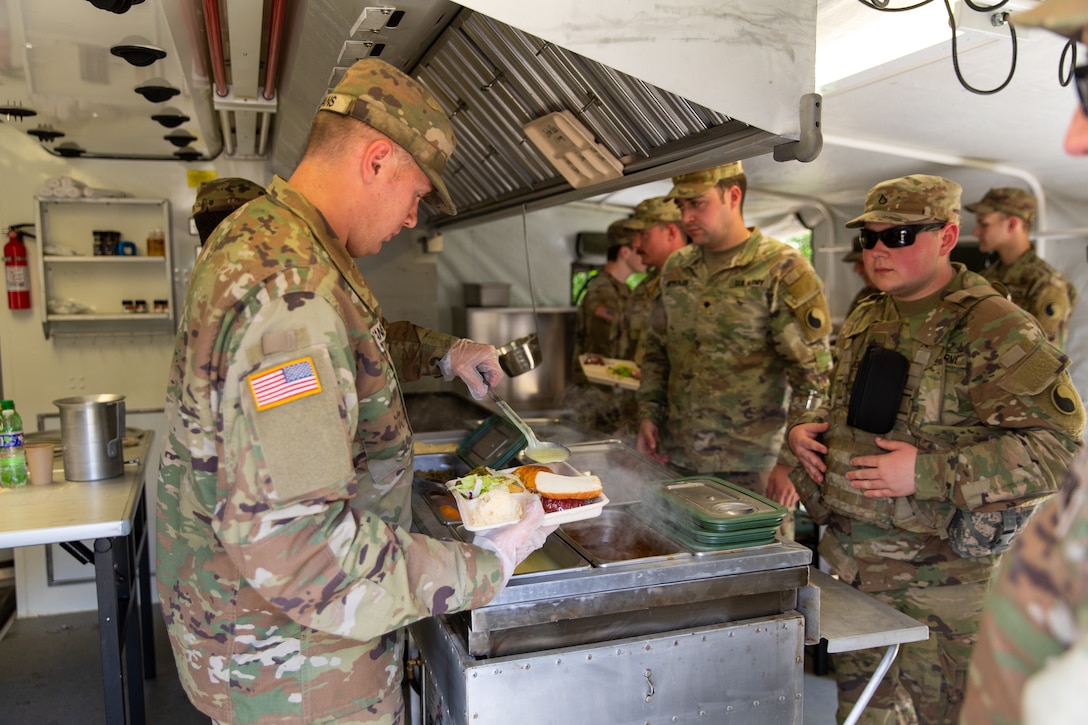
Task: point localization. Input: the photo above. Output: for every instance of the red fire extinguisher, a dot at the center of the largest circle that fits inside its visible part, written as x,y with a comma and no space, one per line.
16,271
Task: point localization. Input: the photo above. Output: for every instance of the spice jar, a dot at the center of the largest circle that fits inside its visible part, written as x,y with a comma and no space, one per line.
127,306
160,306
139,306
156,243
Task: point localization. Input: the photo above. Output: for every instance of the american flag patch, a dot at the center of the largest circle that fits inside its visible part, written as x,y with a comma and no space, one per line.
284,383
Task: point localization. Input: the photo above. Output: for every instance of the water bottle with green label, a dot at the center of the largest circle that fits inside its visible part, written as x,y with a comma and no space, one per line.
12,454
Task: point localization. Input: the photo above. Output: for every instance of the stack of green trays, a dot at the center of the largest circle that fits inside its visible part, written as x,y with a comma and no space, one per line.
709,514
494,444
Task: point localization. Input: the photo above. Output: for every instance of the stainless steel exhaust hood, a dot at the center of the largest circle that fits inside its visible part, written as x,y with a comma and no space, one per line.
493,79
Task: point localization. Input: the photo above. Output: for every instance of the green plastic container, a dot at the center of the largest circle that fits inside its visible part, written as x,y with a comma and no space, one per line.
707,506
494,443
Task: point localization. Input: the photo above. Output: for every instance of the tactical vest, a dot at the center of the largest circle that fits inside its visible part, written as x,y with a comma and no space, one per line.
927,357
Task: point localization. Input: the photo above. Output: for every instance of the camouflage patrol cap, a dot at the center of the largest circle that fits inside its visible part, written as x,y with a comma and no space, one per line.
653,211
914,199
390,101
688,186
620,233
854,255
1008,200
225,195
1065,17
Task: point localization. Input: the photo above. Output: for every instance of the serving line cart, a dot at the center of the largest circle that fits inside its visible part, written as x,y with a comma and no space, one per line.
640,629
112,513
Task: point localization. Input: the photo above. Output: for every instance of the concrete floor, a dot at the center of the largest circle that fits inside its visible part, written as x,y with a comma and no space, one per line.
50,674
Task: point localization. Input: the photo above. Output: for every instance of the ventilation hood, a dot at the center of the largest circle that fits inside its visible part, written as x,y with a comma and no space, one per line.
749,64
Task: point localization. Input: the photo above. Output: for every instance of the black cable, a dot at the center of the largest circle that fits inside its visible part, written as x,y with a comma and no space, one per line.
1065,81
882,5
956,60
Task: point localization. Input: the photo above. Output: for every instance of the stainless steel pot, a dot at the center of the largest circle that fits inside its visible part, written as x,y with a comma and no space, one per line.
521,355
92,428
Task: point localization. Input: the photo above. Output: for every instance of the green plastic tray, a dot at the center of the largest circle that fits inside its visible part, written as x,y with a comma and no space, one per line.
716,506
698,541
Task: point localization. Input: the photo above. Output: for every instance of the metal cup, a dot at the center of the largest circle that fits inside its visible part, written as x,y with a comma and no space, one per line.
521,355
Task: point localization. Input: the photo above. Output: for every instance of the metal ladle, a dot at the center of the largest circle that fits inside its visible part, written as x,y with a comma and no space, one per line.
538,450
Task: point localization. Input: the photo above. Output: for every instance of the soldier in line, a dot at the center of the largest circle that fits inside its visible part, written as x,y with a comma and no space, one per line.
600,328
949,418
854,257
1002,223
218,199
1030,664
658,233
741,320
286,567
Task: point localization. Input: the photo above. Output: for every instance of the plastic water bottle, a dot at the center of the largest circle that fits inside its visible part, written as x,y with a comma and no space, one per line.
12,454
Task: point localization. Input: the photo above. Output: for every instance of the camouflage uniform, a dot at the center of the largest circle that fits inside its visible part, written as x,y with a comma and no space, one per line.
991,408
285,564
649,212
1032,283
600,328
218,199
1037,610
727,348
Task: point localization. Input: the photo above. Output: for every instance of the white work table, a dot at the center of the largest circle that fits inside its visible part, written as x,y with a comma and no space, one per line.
113,513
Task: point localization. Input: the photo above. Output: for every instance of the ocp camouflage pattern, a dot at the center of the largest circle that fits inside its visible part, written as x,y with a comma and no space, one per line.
723,350
996,420
285,564
226,194
913,199
1039,288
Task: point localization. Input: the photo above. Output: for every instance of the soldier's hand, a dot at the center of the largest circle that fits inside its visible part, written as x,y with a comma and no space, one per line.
648,438
886,474
804,441
780,489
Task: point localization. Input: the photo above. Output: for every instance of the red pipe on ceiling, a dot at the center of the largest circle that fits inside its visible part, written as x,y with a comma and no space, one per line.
275,34
215,46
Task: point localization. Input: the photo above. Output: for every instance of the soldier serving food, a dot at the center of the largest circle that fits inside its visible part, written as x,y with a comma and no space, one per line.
950,417
286,568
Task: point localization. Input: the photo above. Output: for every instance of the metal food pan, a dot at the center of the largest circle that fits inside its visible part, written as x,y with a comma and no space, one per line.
554,557
624,472
439,467
618,537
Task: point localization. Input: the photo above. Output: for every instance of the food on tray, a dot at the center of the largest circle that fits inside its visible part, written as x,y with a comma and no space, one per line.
492,496
592,359
625,371
559,493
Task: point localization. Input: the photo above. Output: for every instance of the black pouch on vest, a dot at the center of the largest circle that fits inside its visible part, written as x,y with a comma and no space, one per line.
981,533
877,390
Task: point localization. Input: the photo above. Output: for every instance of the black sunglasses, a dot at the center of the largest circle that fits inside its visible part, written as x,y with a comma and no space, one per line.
895,237
1080,78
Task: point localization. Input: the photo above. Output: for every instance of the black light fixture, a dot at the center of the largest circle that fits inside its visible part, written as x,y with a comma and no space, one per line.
45,133
70,149
180,138
16,111
138,51
157,90
188,154
115,6
170,117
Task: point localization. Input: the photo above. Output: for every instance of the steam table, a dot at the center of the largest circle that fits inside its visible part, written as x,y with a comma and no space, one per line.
113,513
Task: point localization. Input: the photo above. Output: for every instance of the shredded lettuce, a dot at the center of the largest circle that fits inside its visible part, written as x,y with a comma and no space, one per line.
482,480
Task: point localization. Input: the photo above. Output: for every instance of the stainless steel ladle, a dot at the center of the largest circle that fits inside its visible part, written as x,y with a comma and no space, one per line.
538,450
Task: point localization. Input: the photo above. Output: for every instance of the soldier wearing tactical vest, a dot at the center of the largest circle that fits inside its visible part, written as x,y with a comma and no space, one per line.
741,321
950,417
1003,219
1030,663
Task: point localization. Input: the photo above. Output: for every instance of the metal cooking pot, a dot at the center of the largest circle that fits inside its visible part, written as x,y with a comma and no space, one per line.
521,355
92,428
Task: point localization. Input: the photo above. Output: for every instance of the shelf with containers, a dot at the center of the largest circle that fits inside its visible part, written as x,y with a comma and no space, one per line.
100,284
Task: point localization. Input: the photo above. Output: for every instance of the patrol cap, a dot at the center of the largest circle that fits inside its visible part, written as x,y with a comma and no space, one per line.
689,186
225,195
1065,17
390,101
1008,200
653,211
620,233
914,199
854,254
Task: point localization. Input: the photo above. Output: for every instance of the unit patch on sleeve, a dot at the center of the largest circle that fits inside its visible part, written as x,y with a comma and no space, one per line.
282,384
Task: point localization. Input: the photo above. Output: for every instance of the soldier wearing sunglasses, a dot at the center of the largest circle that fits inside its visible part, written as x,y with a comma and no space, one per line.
1030,663
949,417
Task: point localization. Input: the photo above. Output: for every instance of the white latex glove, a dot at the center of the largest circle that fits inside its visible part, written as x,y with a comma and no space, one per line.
514,542
475,363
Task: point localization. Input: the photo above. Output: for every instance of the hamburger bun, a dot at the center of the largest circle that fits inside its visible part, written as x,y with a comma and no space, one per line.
551,485
527,474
